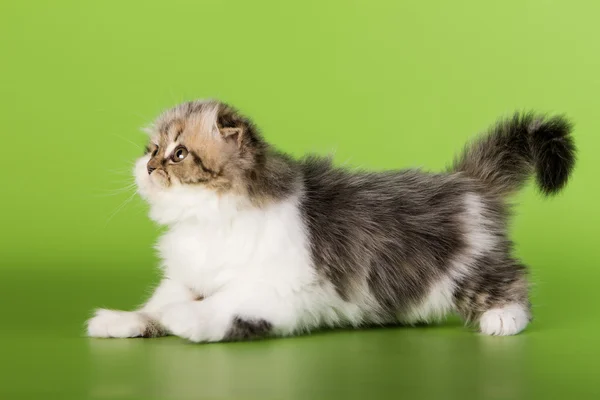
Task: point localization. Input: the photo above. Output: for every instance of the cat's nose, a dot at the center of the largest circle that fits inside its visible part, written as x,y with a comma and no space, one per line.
150,169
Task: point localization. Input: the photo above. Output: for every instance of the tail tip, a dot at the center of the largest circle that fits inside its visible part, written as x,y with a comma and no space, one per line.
555,153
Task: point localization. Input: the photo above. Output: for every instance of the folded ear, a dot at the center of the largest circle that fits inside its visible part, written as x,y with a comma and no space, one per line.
232,135
237,129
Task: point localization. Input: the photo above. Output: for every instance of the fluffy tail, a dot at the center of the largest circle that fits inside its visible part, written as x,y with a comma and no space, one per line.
504,158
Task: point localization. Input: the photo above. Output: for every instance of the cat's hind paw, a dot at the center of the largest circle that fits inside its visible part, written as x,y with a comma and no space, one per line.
508,320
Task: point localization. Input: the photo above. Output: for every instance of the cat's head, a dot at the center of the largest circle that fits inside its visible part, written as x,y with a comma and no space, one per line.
198,149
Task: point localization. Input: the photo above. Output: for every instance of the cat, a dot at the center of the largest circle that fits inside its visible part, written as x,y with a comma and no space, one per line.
260,244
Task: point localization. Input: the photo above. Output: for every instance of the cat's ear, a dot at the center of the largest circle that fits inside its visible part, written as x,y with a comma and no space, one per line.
236,129
233,135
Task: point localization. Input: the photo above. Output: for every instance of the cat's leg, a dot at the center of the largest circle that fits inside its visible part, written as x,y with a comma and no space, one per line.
495,297
231,315
140,323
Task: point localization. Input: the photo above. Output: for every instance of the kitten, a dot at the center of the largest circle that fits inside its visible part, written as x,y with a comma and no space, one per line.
259,244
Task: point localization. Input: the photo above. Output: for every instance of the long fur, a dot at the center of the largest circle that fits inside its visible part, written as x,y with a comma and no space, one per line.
506,157
260,244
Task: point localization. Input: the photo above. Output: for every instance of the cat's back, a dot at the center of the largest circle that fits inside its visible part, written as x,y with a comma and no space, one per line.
331,191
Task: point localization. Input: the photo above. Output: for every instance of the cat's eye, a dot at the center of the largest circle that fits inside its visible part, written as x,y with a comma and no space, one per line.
155,152
179,154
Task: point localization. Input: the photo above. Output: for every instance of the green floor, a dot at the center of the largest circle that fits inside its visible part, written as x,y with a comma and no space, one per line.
45,355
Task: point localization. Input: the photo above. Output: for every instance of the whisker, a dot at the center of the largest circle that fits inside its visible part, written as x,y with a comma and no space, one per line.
116,192
119,171
127,201
137,146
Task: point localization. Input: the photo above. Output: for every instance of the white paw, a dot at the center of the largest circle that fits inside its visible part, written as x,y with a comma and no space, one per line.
183,320
116,324
508,320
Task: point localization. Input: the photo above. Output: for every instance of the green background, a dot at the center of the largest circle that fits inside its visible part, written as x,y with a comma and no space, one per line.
383,84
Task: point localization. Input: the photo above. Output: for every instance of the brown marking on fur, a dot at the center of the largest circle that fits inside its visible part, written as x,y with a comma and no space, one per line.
247,329
226,153
153,329
175,131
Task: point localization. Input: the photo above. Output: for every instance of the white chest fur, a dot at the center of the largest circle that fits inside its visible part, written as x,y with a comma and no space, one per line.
228,245
260,257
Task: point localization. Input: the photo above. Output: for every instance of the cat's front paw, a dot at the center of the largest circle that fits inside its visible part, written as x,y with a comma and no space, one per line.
184,320
117,324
